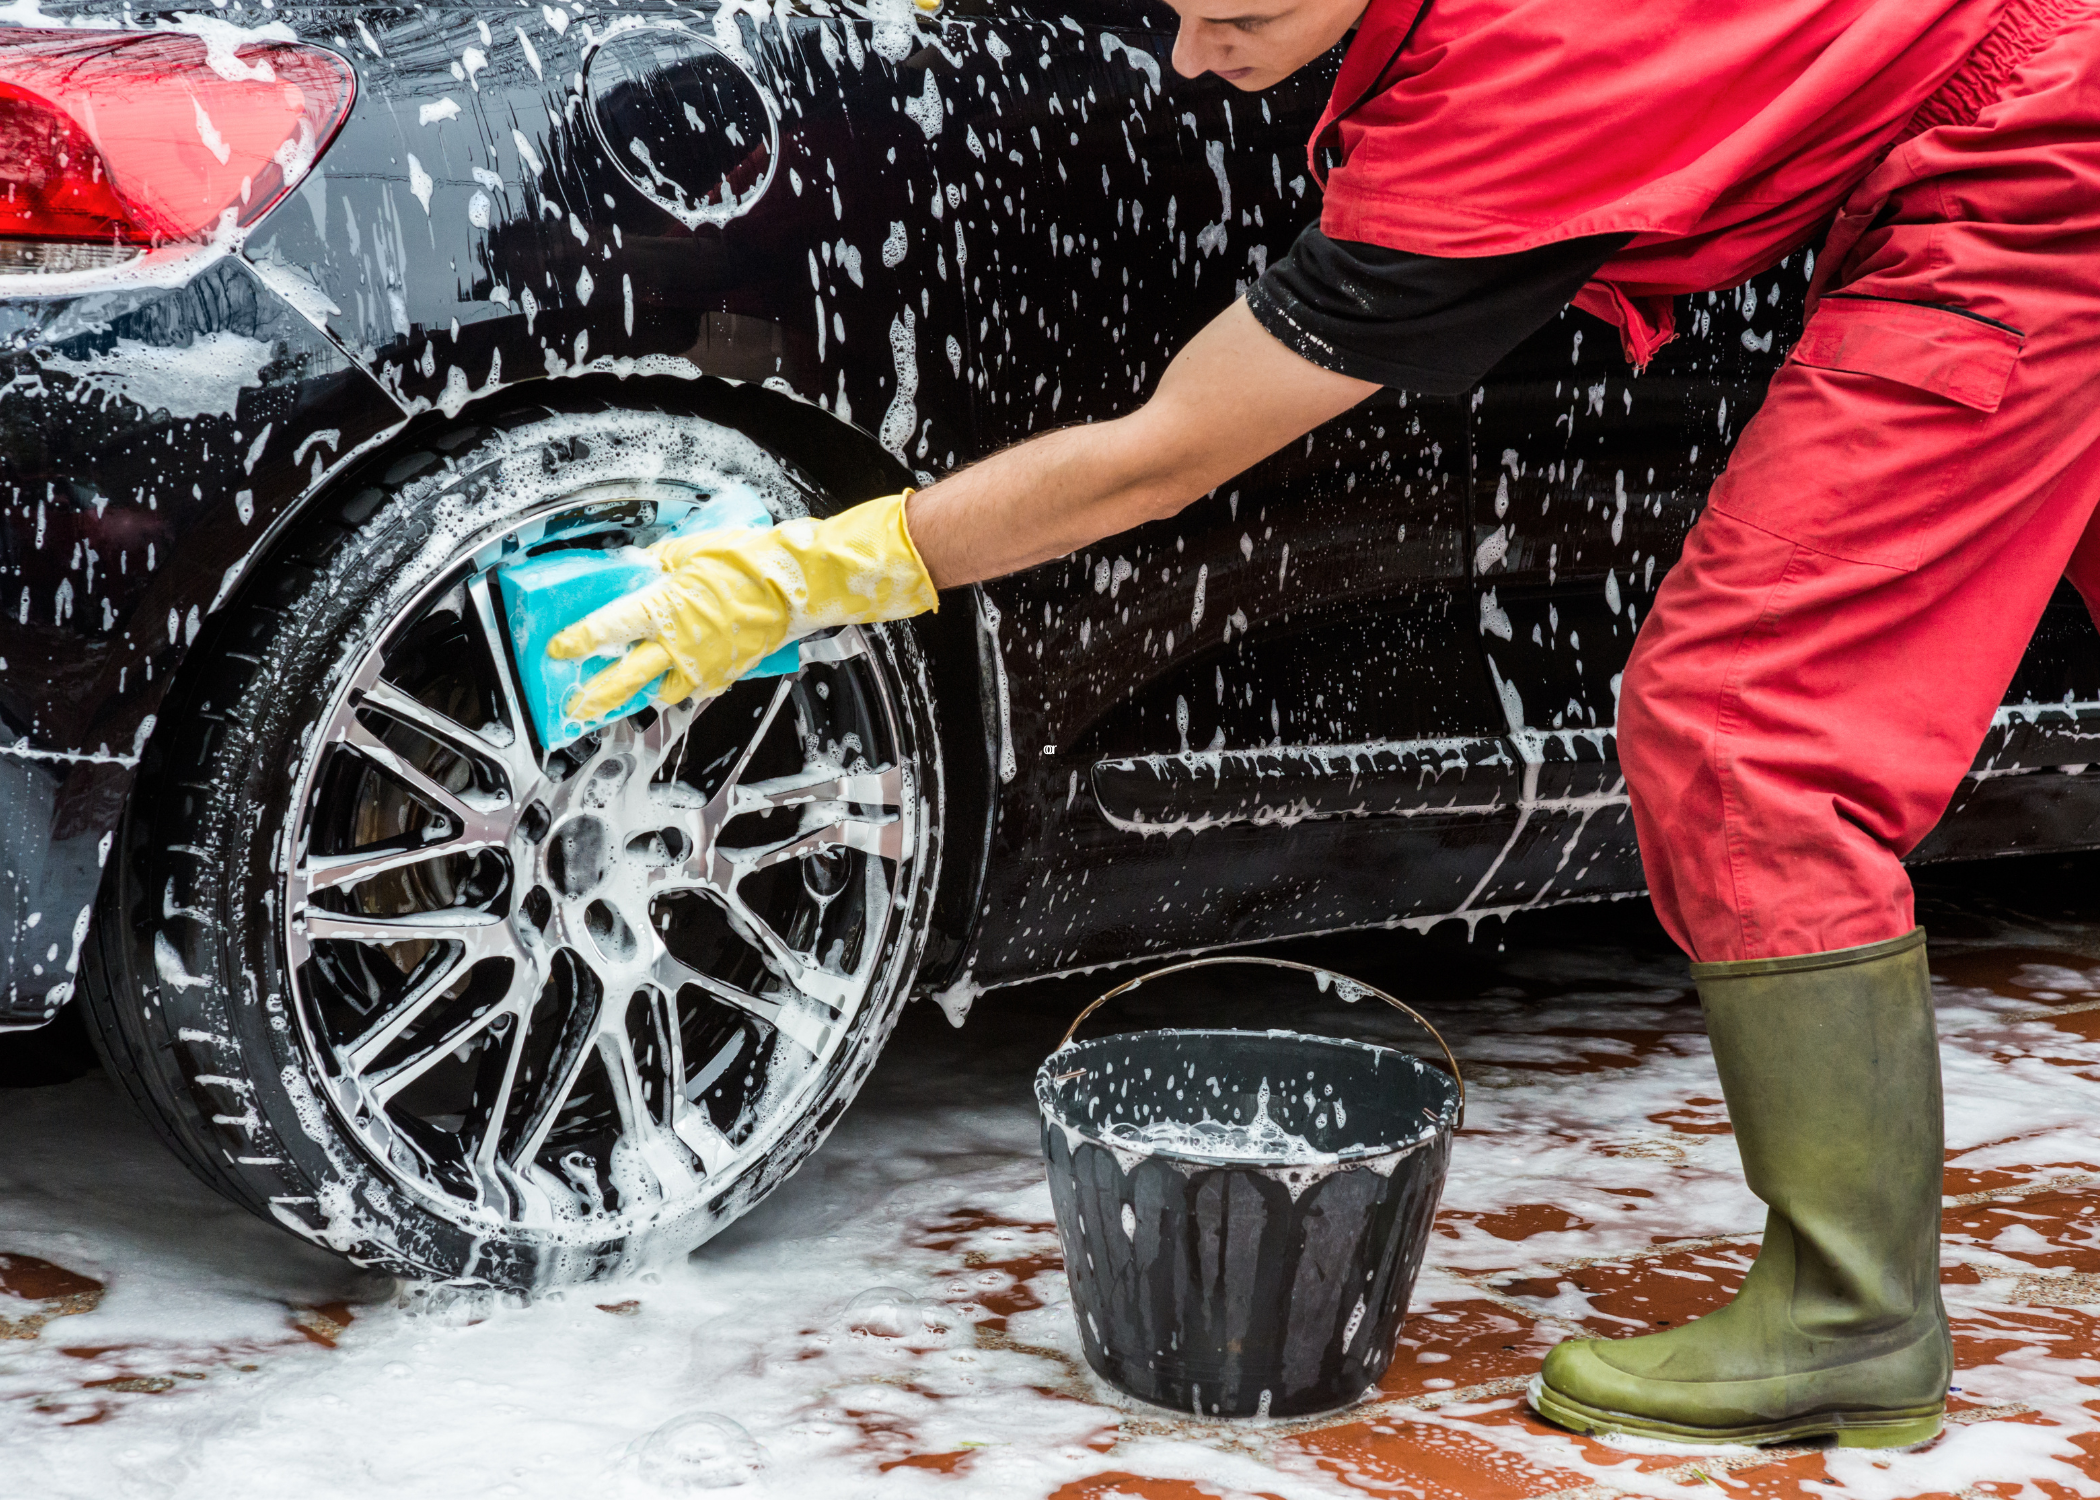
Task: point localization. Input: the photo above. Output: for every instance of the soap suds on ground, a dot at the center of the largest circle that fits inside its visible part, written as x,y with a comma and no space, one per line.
894,1321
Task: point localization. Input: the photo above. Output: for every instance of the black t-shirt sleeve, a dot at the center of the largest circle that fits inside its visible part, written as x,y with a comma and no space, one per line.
1418,322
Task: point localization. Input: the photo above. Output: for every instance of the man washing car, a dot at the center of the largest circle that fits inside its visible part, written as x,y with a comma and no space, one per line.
1819,669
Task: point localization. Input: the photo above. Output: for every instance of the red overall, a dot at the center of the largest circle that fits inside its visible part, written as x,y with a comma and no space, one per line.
1818,672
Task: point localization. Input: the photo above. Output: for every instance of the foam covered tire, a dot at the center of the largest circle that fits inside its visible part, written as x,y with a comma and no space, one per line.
381,969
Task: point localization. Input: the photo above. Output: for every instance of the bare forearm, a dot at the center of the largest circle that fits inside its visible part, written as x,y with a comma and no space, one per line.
1037,500
1229,399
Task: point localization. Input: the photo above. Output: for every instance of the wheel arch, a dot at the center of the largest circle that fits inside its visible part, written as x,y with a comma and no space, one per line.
835,459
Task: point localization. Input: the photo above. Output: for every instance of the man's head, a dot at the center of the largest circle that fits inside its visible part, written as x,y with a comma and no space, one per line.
1254,43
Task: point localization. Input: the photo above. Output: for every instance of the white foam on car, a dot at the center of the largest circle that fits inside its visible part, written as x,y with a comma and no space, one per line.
205,376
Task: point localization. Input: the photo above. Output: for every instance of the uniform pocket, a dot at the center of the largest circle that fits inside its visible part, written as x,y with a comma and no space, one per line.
1868,428
1966,359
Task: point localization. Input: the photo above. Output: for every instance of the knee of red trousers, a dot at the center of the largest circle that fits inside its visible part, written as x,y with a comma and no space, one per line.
1745,858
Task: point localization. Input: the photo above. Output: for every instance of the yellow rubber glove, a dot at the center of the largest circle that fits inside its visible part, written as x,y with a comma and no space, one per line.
729,599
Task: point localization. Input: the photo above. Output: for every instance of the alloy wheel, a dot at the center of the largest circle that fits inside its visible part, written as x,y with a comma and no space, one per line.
596,983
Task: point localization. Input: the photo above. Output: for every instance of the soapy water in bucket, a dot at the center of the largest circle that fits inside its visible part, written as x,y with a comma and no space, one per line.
1243,1212
1260,1139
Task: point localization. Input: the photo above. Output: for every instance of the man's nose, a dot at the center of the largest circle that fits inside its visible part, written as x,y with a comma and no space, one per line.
1192,57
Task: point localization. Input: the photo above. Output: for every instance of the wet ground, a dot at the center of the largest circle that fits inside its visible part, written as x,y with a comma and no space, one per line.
895,1321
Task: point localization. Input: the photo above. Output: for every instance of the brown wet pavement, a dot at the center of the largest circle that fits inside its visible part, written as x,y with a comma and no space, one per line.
1594,1194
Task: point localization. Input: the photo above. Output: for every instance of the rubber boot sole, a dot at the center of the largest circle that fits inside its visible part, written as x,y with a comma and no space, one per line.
1902,1428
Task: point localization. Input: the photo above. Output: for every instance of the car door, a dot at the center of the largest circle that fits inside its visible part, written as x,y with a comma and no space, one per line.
1206,717
1587,475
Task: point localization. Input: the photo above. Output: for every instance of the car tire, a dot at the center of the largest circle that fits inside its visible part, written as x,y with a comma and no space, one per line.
383,970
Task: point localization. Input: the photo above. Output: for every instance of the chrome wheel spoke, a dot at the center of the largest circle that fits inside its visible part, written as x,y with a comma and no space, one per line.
324,872
673,973
630,1092
840,646
878,836
666,1013
884,788
693,1126
795,969
480,823
437,973
466,924
803,1024
716,811
446,730
495,639
664,738
578,1047
525,982
384,1084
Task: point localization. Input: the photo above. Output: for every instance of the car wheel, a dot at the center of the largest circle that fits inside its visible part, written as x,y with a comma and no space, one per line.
381,968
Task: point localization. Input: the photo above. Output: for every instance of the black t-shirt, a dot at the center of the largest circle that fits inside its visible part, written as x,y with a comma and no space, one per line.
1418,322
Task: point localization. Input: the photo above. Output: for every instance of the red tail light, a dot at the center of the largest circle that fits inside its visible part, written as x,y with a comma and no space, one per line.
114,142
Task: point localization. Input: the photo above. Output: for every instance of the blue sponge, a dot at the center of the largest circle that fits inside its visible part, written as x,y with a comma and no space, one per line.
545,595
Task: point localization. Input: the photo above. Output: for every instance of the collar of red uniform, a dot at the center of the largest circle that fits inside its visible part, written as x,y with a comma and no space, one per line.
1380,38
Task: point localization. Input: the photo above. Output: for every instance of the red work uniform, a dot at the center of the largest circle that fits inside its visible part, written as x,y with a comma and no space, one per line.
1819,670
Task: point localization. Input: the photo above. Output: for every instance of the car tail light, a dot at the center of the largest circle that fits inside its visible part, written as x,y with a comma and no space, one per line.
113,143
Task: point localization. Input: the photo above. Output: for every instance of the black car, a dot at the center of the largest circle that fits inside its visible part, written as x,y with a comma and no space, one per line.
315,317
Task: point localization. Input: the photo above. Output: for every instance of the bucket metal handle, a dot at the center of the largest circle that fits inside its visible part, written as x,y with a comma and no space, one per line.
1457,1075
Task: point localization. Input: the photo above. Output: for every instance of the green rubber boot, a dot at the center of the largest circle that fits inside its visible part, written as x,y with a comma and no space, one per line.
1831,1069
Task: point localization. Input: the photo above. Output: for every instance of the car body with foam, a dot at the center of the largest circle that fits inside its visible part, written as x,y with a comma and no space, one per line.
316,318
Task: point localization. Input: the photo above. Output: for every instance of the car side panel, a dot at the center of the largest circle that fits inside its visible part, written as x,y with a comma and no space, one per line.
1283,653
1313,700
1587,478
148,441
477,230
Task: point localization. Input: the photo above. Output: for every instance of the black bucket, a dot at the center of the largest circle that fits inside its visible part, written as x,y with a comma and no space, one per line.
1259,1276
